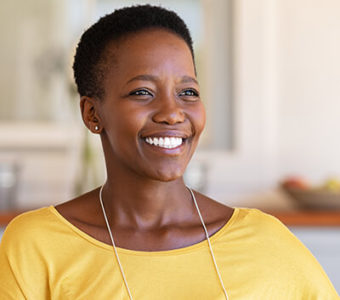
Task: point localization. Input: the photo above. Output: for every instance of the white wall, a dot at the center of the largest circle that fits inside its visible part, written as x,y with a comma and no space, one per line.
286,93
47,157
33,80
309,87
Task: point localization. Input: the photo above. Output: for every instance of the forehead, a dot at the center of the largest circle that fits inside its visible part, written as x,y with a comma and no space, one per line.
149,49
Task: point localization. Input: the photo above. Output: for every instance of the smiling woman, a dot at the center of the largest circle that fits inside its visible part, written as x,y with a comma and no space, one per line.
144,234
144,99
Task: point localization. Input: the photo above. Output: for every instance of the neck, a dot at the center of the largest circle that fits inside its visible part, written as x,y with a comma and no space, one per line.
143,203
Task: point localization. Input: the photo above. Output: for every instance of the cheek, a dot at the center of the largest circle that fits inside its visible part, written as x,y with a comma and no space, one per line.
124,124
199,118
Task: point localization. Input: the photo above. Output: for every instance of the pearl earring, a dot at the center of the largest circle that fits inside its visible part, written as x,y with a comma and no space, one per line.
96,127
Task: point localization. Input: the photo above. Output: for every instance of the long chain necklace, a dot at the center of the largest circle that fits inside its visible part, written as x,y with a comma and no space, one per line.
116,253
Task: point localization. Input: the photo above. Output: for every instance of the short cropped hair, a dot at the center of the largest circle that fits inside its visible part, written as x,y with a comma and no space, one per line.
89,61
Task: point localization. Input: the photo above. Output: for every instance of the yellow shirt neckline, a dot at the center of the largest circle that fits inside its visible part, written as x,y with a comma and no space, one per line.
177,251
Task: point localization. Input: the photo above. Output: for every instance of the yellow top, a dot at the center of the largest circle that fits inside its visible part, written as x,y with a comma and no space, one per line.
43,256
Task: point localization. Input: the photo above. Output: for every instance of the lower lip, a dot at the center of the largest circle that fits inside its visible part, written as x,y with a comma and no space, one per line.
170,151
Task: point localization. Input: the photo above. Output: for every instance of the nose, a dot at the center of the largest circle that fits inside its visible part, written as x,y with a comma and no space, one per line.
168,111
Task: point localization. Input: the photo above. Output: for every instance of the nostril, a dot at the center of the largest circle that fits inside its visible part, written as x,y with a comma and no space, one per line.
169,117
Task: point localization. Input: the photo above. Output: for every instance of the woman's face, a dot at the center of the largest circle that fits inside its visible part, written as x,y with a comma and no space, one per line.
151,114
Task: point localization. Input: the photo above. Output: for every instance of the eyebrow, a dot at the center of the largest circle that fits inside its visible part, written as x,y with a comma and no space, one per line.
186,79
147,77
144,77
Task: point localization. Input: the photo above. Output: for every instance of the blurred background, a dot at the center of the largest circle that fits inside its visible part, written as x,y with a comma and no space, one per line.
269,71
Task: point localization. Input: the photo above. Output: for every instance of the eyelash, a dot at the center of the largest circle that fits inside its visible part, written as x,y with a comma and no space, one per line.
141,92
145,92
193,93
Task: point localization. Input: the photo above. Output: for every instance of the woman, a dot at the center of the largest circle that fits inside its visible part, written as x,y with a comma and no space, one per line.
136,77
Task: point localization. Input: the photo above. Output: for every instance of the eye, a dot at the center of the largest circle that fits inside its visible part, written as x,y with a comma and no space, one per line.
189,94
140,93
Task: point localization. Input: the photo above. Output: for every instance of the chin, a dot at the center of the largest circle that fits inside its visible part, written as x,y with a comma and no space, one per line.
168,175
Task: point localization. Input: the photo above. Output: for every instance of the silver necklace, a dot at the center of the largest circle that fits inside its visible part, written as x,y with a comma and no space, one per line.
116,253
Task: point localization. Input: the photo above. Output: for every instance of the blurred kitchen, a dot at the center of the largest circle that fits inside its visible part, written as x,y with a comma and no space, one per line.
269,72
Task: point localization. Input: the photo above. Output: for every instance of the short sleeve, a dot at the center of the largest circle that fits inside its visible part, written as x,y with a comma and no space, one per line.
10,277
9,280
22,274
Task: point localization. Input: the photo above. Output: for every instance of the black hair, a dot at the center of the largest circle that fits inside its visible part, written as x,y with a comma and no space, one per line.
89,65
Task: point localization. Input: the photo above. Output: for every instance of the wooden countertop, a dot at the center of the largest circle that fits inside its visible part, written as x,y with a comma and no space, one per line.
308,218
6,217
289,218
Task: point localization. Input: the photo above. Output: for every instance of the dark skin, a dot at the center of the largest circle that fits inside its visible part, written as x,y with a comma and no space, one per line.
151,90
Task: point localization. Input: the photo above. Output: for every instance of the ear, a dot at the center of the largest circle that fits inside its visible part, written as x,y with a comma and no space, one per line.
88,107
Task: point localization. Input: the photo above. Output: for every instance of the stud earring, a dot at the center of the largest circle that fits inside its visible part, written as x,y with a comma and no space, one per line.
96,128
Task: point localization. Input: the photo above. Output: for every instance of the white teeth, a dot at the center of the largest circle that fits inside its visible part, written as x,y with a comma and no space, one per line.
149,140
164,142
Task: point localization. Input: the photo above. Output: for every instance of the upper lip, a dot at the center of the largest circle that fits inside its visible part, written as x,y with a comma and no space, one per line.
165,133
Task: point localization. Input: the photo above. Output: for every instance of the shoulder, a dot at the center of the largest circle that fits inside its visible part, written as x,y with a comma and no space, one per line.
256,226
30,228
259,221
275,247
264,234
23,244
29,222
40,235
258,242
25,254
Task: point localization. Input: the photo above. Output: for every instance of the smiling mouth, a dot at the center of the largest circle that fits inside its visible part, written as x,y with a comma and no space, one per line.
165,142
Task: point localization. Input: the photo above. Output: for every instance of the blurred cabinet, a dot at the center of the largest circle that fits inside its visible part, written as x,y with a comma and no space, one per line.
46,157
